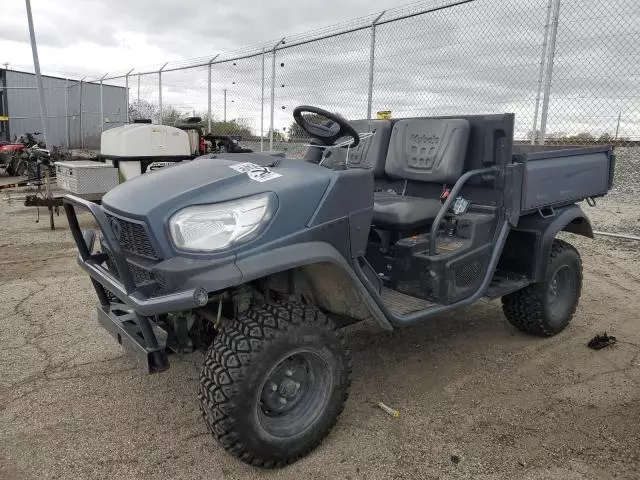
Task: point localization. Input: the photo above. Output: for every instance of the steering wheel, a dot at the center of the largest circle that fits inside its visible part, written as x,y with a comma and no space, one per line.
329,132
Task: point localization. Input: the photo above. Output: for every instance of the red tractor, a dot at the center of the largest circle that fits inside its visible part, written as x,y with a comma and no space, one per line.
12,155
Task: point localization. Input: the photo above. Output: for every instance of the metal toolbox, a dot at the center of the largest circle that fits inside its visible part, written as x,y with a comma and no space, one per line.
86,177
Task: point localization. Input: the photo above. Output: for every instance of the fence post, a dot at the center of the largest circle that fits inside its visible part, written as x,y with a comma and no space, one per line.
160,92
66,113
126,80
224,115
81,126
541,73
138,99
209,94
372,54
102,104
549,76
262,108
273,92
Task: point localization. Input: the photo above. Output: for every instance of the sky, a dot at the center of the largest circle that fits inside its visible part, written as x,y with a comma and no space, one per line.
97,36
480,57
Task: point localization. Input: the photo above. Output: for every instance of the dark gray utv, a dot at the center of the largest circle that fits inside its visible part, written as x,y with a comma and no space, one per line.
260,259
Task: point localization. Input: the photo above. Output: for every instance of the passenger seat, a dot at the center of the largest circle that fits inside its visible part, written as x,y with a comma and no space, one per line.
423,150
372,151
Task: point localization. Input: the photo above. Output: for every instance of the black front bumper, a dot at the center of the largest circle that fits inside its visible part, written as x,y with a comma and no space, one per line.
128,321
124,326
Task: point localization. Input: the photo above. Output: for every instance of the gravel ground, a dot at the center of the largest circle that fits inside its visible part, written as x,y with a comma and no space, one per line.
509,406
627,174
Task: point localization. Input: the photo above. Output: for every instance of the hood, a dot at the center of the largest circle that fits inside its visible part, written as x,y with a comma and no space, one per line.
155,196
141,195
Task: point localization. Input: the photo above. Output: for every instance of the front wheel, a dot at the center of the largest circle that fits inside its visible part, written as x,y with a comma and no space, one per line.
546,308
274,382
21,169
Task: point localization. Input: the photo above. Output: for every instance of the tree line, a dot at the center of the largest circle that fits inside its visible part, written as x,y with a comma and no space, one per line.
579,138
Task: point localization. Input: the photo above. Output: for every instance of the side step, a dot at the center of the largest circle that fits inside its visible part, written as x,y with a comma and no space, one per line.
504,283
401,304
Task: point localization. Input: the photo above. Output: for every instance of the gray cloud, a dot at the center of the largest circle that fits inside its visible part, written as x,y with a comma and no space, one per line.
220,25
188,29
57,25
482,57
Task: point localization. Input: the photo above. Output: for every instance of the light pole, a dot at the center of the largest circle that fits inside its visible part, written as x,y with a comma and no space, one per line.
36,66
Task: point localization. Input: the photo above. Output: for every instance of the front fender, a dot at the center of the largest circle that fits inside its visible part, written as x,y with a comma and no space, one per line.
569,219
306,254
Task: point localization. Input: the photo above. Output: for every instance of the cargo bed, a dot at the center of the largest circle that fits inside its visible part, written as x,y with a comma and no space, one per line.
555,176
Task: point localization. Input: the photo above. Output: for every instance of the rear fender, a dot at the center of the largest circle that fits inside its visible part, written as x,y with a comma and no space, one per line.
569,219
334,284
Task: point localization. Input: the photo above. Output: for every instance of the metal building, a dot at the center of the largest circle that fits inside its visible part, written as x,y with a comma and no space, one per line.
77,111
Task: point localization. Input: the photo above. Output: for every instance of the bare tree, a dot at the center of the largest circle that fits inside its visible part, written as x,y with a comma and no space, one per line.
141,109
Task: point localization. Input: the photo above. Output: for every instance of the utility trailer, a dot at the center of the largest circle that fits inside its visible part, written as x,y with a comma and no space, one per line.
259,260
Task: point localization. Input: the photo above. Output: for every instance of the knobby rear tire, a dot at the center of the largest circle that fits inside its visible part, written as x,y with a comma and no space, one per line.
531,309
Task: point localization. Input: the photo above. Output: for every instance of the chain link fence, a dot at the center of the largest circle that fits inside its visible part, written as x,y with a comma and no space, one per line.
596,74
476,58
568,69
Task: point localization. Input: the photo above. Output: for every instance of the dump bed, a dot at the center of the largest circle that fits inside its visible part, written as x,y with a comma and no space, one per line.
554,176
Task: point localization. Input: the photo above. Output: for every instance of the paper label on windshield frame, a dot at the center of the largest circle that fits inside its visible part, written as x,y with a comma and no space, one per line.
255,172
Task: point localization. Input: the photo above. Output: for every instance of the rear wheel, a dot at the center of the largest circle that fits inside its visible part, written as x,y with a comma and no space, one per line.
11,167
546,308
274,382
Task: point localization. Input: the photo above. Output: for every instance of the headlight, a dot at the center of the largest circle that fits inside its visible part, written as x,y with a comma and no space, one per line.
206,228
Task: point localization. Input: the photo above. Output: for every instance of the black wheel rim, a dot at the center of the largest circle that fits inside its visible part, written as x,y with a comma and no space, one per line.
294,394
561,292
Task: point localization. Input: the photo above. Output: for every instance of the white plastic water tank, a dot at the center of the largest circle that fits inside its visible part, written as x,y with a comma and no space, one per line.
144,140
133,147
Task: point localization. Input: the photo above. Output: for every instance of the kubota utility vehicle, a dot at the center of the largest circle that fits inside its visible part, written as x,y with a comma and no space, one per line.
261,259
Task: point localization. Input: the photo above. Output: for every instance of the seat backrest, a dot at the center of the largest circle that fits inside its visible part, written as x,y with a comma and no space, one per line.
372,151
428,149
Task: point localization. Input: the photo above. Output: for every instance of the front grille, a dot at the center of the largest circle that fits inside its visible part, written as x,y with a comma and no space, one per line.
139,274
133,238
